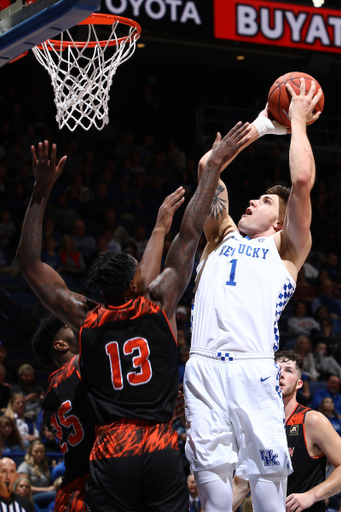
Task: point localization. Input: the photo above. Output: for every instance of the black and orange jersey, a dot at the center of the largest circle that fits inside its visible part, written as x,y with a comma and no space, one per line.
129,362
308,471
66,412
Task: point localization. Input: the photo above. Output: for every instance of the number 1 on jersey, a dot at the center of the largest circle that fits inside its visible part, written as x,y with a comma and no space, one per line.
232,282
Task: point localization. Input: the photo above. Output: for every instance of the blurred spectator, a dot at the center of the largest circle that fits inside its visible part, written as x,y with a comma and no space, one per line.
330,338
84,243
326,407
35,468
304,349
331,391
96,207
194,499
323,313
63,215
101,246
16,409
110,221
140,240
10,439
183,358
84,193
72,260
49,229
28,387
304,290
181,338
182,318
322,276
333,268
3,376
22,487
112,243
326,298
325,363
300,323
49,255
11,372
11,270
311,273
130,248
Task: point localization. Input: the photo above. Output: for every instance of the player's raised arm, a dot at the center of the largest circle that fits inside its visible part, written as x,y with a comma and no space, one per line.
170,285
152,256
46,283
295,236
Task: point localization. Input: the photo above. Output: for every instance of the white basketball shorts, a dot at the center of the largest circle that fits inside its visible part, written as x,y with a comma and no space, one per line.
235,414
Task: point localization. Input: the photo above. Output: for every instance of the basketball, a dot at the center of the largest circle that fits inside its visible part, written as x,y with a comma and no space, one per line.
279,98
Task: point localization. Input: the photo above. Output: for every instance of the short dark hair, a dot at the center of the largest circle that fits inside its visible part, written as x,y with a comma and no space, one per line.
111,272
42,341
279,190
290,355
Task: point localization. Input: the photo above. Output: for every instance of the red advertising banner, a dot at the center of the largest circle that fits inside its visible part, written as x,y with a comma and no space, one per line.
279,24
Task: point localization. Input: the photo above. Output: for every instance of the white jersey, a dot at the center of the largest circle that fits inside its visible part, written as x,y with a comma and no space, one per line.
241,289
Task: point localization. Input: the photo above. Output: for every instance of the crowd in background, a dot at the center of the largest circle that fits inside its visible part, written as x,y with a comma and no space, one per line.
108,196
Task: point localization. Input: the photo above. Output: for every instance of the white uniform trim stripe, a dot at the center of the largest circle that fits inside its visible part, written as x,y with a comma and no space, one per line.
11,509
19,509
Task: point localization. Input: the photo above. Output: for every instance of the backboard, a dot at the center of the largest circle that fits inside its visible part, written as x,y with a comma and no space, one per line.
27,23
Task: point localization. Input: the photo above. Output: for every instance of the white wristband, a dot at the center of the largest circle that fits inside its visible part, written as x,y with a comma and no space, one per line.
264,126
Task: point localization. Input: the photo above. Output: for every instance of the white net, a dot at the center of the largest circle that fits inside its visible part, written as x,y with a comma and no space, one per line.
82,77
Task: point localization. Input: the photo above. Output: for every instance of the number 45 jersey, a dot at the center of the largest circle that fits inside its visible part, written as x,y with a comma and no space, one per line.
67,414
241,289
129,362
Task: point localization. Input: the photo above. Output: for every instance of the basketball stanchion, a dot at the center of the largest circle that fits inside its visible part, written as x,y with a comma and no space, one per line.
80,72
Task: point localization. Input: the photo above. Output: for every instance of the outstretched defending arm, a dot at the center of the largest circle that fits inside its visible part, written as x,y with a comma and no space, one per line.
152,256
170,285
46,283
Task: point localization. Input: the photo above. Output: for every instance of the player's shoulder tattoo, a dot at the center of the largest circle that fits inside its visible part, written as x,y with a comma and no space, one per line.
218,203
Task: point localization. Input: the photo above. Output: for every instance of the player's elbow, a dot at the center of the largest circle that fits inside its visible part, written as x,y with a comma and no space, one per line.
25,263
305,180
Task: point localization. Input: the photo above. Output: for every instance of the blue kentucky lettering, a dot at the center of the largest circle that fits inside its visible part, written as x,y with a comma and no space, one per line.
265,251
228,251
269,458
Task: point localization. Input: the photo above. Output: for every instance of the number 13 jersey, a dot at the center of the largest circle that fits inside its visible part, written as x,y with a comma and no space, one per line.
129,362
241,289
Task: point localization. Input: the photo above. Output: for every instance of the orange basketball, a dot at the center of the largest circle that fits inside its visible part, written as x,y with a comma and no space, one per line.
279,99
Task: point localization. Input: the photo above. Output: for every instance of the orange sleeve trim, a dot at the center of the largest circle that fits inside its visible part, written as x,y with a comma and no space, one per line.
305,440
171,330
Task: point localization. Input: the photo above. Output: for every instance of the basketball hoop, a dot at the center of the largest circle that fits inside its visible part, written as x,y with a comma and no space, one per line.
81,81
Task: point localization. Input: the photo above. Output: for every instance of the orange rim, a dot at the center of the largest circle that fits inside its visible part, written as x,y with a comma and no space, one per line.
97,19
